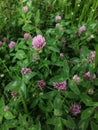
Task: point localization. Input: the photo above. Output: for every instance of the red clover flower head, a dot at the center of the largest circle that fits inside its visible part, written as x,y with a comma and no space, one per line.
75,109
57,25
57,18
81,30
61,54
38,42
5,39
26,36
14,94
25,71
41,84
63,41
76,78
12,44
25,9
0,43
87,75
92,54
60,85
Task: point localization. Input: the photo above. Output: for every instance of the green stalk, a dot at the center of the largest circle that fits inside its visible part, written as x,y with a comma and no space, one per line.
85,11
24,104
93,12
6,67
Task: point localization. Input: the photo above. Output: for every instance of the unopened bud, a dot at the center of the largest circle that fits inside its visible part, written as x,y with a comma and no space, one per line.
91,91
6,108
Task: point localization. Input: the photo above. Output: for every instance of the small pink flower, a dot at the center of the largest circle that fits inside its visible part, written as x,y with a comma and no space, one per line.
14,94
87,75
6,108
76,79
25,71
25,9
12,44
38,42
5,39
63,41
0,43
61,54
26,36
60,85
57,18
81,30
90,59
57,25
75,109
92,54
41,84
94,76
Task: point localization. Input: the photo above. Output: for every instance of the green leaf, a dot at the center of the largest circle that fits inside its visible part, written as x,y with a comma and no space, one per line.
20,21
86,99
23,89
96,116
95,81
71,95
56,121
53,48
57,112
8,115
74,87
11,123
5,126
50,95
29,76
87,113
72,121
53,57
32,128
38,31
20,55
2,104
37,17
85,52
34,103
58,102
67,123
27,27
59,63
22,119
94,126
65,69
46,107
38,126
83,124
14,85
29,16
52,121
96,57
56,78
58,125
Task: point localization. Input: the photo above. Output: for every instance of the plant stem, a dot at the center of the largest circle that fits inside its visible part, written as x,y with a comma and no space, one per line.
24,104
6,67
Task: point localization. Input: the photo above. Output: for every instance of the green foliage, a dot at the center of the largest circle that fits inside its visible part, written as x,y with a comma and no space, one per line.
68,59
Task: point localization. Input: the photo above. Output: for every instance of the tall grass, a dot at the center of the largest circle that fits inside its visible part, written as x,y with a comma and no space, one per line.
81,10
77,11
